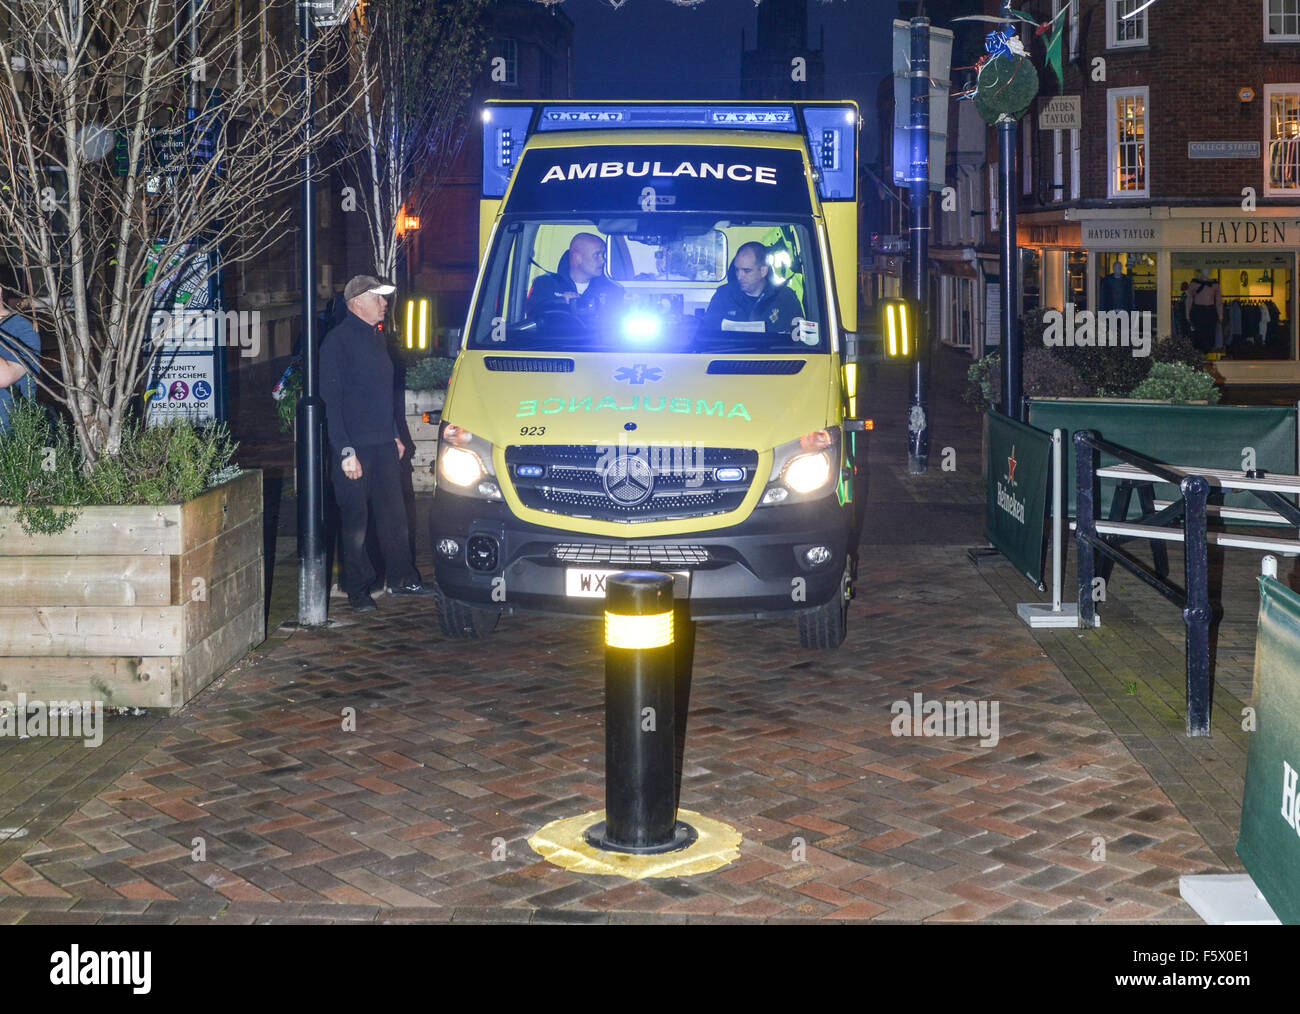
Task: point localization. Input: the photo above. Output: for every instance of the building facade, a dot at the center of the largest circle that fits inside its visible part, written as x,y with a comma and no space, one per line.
535,47
1172,155
782,66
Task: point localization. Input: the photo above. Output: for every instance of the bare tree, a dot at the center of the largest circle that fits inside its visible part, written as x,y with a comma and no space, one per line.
143,146
415,62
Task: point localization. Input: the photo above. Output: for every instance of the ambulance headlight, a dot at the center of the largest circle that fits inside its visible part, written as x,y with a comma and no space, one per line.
642,327
460,466
804,469
465,463
808,472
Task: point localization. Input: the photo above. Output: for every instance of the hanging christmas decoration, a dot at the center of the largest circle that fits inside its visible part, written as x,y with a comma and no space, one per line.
1007,81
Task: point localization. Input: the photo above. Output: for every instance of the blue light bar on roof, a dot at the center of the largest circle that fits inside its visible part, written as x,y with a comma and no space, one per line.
702,117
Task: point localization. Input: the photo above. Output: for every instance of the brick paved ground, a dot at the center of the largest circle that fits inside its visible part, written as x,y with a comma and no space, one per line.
457,745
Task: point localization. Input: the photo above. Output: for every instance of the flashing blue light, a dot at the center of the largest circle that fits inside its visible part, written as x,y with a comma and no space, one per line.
633,115
529,471
505,129
729,474
832,142
641,326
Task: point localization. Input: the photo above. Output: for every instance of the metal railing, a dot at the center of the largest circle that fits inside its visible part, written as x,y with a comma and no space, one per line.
1193,599
1190,511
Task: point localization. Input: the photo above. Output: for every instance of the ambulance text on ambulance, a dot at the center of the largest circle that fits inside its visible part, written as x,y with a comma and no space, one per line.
645,403
699,170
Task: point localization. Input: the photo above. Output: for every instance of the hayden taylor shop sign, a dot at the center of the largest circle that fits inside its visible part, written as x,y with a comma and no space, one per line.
1191,234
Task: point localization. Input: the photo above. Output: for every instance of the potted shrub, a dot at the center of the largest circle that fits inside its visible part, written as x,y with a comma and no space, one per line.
134,582
131,556
1175,372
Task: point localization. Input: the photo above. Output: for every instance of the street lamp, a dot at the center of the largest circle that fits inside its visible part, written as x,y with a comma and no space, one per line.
313,583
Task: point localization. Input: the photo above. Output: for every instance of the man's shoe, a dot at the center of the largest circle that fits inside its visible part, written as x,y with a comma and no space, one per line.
362,603
414,588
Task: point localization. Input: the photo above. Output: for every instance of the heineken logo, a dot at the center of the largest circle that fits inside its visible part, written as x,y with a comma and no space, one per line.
1011,466
1290,806
1008,502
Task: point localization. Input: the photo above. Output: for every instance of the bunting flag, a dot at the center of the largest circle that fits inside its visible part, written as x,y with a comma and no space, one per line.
1057,28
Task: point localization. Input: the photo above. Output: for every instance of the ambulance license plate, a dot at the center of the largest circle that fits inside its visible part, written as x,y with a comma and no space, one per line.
590,584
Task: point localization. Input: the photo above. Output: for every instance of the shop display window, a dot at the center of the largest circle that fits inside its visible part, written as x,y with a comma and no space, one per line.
1031,279
1135,286
1251,318
1076,267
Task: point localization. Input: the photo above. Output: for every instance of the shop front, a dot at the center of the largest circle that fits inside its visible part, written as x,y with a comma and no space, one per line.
1223,277
1052,264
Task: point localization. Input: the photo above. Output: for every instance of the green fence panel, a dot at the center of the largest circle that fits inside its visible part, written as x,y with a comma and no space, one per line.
1017,484
1211,436
1269,844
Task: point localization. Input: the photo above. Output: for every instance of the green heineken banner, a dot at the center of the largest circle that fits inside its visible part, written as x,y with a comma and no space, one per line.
1269,845
1019,457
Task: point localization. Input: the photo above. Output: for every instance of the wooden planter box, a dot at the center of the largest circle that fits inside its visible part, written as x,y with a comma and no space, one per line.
424,434
133,606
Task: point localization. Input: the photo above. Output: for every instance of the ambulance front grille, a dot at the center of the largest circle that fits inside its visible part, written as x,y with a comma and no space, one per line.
630,555
665,484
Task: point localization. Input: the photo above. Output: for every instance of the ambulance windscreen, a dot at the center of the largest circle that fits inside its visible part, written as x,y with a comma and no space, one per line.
672,281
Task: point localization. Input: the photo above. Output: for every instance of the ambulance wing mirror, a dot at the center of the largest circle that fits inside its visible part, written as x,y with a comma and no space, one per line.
853,355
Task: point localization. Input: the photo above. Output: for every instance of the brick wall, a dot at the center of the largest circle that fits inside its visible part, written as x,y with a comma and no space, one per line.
1197,57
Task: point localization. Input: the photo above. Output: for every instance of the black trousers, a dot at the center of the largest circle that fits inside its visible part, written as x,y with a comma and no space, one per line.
1204,327
379,490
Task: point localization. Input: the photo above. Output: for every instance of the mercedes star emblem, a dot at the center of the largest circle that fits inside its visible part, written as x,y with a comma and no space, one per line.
628,481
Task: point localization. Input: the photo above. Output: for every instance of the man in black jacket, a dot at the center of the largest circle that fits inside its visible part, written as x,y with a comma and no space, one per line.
750,294
356,378
579,284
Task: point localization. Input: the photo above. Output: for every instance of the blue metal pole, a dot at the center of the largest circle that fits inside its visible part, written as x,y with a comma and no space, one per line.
1196,613
918,177
1086,526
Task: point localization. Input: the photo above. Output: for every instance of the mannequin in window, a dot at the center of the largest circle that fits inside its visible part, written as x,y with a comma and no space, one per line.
1117,290
1203,308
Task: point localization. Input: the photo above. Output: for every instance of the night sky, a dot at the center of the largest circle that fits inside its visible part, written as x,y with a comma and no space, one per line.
651,49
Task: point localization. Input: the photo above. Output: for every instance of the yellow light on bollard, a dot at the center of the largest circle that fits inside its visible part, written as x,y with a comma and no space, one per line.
639,632
424,324
899,326
410,323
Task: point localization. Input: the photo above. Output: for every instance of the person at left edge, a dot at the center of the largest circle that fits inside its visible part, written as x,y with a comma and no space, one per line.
20,351
356,377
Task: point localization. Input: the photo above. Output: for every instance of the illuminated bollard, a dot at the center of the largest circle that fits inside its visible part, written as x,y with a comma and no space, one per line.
640,747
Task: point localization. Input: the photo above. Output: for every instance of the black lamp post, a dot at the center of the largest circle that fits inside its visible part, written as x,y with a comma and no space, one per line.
313,583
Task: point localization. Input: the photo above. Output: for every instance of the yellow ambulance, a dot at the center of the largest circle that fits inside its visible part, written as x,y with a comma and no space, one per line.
656,371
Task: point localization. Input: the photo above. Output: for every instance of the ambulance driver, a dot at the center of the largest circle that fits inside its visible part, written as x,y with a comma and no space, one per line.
579,284
750,295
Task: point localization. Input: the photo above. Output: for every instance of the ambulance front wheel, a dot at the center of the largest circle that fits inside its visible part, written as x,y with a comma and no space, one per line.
824,628
457,620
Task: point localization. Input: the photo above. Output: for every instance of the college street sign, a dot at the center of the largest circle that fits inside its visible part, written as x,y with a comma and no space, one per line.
1223,149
